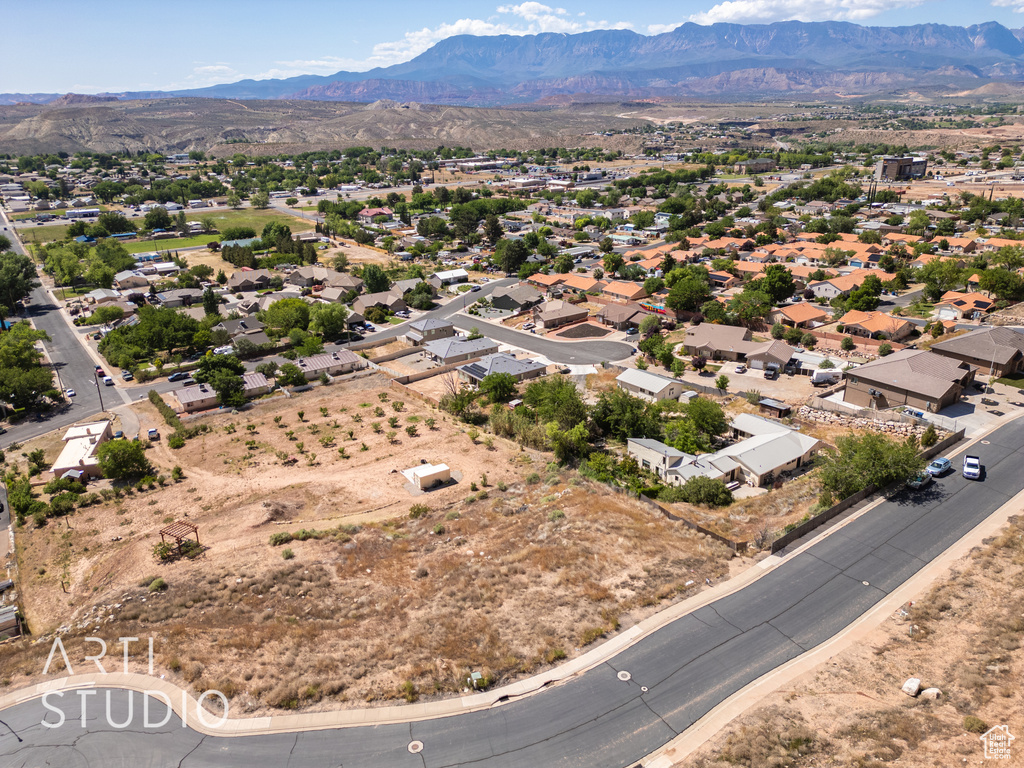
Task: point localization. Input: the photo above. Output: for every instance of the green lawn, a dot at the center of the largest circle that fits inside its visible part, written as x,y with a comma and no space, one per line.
250,217
171,244
245,218
1013,380
43,234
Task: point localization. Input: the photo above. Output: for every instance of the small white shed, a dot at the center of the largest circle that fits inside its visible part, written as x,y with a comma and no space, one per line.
426,476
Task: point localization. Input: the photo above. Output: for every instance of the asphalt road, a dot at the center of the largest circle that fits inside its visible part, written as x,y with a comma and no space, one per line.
677,674
569,352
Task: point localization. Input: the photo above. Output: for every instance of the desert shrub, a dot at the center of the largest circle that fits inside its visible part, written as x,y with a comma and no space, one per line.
157,585
438,530
175,441
418,510
287,554
555,514
974,724
930,437
277,539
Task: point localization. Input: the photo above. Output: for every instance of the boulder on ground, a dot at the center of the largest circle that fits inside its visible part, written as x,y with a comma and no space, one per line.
912,687
931,693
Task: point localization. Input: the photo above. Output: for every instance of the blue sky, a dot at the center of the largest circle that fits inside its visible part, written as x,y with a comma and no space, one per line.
100,45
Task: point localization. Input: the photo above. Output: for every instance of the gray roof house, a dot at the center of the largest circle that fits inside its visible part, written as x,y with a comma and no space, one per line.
459,350
429,329
913,377
649,386
995,351
501,362
515,297
756,460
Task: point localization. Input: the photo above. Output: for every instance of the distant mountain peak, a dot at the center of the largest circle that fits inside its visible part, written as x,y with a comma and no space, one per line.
810,57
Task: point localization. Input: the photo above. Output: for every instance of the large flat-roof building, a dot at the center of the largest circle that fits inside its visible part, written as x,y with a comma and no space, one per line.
900,168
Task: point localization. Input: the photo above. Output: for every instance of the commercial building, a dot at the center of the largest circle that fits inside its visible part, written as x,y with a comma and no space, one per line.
900,168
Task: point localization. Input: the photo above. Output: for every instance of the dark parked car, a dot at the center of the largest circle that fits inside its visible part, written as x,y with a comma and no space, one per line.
177,376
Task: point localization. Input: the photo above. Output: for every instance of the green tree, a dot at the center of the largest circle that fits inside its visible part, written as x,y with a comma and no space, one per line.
778,331
558,400
17,279
563,264
286,315
706,491
259,200
620,415
510,255
722,382
230,387
157,218
613,262
23,381
777,283
291,375
858,461
211,302
750,306
688,293
492,229
328,320
374,279
499,387
123,459
569,445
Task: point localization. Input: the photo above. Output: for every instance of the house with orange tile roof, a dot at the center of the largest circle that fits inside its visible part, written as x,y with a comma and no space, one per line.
800,315
734,244
723,280
749,269
993,244
876,325
546,283
889,238
623,290
581,284
961,244
962,306
928,258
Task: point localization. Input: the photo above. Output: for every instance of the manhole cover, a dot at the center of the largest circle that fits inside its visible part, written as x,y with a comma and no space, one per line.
643,688
624,676
416,747
985,442
866,584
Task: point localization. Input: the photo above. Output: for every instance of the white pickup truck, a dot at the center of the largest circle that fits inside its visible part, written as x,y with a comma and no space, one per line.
972,467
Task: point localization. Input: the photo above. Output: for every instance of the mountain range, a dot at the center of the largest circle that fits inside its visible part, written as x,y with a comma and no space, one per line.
716,61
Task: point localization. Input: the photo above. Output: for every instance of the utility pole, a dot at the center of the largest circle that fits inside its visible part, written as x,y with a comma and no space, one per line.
96,380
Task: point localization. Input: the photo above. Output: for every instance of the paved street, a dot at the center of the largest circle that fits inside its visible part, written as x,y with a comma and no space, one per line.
676,674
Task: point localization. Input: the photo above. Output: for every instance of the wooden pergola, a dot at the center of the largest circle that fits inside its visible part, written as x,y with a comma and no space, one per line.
179,530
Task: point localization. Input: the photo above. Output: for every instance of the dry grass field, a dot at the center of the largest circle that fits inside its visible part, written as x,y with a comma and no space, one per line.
379,595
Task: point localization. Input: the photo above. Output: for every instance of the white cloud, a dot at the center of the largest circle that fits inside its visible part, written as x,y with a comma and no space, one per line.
747,11
1016,5
660,29
526,18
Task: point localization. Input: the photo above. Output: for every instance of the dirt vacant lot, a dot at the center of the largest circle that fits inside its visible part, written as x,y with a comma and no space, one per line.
365,597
